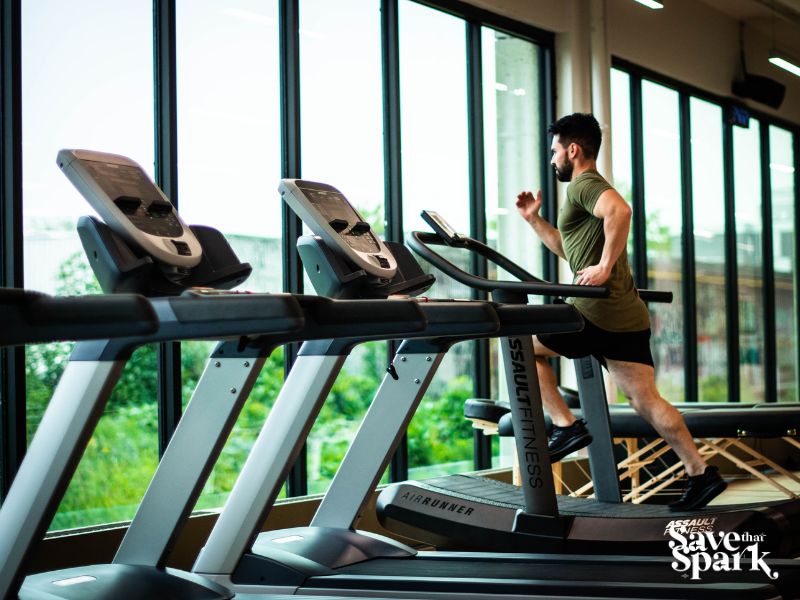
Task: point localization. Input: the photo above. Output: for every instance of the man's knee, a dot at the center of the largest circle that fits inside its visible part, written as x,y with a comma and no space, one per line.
543,365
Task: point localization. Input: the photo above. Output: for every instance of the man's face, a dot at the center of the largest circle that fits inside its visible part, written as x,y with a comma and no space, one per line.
560,160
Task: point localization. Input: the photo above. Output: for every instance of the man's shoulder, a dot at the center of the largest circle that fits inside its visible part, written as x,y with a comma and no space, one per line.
589,177
586,188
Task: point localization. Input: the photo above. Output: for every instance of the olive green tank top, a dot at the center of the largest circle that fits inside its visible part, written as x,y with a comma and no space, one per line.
583,239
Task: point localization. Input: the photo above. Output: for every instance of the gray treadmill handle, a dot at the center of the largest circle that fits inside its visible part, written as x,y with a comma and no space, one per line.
28,317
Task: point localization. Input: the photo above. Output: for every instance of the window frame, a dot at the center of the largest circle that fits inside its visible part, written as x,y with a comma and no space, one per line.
637,74
12,373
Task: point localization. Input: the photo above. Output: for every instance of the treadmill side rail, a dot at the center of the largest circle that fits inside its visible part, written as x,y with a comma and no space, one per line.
380,432
190,456
273,453
51,460
592,394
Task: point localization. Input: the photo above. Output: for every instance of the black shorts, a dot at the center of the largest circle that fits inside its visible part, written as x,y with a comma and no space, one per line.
628,346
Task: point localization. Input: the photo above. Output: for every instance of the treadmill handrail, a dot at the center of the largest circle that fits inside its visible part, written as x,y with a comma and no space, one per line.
418,241
28,317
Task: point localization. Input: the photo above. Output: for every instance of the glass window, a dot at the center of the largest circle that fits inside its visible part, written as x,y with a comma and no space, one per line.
229,167
664,224
342,144
620,139
513,151
747,190
107,105
433,96
708,195
781,169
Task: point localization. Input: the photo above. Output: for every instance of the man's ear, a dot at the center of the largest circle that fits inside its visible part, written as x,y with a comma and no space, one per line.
572,150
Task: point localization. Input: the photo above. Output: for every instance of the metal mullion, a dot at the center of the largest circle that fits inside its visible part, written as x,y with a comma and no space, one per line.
796,152
482,458
13,410
170,403
547,114
289,58
393,173
637,158
392,161
688,280
731,267
768,290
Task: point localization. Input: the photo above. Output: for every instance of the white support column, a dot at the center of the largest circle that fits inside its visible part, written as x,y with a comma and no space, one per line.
601,107
573,94
601,83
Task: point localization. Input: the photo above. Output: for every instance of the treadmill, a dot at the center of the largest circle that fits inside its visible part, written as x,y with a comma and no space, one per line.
572,524
330,556
144,246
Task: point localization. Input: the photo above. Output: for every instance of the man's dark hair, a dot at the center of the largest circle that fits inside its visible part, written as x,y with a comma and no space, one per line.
580,128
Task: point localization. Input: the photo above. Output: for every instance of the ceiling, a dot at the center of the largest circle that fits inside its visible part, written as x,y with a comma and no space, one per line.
777,19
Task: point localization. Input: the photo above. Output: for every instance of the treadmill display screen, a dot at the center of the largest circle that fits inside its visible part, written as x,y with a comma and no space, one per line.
124,184
333,205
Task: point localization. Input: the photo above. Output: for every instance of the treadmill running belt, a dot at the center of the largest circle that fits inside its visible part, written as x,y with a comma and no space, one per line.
498,493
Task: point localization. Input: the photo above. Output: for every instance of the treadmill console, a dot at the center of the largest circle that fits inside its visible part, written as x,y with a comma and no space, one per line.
331,216
442,228
132,205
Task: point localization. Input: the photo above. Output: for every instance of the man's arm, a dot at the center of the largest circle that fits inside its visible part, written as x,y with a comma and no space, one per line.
528,208
616,215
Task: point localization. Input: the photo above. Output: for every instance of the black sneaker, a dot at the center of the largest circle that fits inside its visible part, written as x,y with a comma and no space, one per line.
566,440
700,490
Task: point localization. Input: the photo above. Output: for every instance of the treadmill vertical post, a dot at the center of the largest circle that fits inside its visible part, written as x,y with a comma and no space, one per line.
594,405
53,455
391,410
223,388
530,435
277,446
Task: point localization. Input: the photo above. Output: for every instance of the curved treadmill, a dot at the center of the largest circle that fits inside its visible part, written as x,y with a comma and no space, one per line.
330,556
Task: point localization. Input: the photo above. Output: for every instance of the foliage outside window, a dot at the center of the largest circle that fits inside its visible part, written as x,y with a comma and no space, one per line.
106,105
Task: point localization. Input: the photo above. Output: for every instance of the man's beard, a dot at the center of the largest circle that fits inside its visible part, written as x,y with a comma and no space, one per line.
564,171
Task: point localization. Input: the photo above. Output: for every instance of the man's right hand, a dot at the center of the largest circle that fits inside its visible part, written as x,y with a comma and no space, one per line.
528,206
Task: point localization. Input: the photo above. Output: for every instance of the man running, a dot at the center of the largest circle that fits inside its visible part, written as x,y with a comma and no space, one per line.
592,237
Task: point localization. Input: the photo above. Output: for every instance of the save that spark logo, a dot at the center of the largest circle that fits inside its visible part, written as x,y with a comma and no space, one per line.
697,549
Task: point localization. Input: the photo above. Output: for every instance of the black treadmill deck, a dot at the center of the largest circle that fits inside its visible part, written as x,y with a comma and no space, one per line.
499,493
469,512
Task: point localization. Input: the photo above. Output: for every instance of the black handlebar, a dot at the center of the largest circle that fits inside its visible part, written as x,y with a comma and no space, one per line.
419,241
655,296
528,283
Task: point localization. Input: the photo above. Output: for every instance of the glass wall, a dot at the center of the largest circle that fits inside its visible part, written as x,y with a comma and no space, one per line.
106,105
749,227
781,170
664,225
620,139
342,144
708,195
513,143
433,96
229,159
721,213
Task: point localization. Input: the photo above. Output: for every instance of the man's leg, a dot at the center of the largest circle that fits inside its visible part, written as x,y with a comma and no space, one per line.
552,400
637,382
569,434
